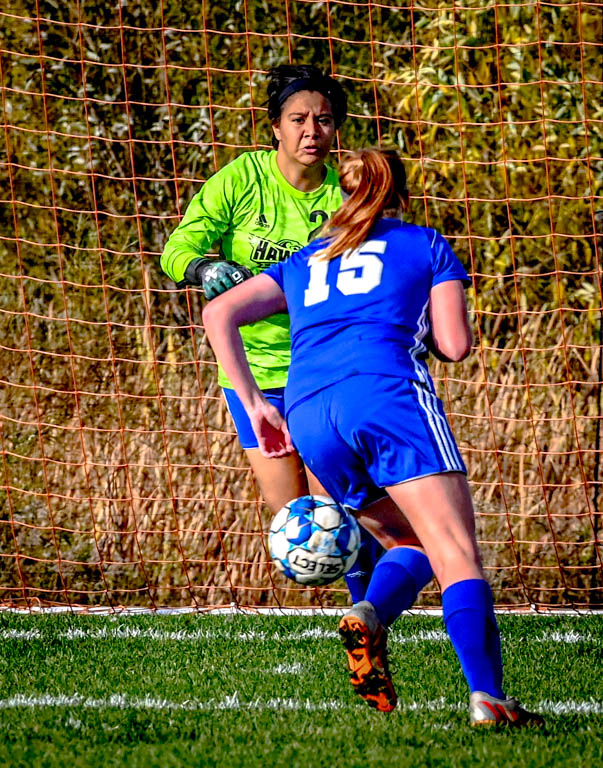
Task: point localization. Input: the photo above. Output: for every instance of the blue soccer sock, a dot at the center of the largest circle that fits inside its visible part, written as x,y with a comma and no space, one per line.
399,576
468,610
359,576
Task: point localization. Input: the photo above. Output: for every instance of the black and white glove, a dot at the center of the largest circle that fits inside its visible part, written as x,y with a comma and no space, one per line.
215,277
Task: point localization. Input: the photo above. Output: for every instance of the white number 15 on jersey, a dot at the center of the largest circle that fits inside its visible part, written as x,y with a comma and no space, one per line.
359,272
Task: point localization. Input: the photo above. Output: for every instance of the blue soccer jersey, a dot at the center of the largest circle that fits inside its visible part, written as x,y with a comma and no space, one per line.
365,312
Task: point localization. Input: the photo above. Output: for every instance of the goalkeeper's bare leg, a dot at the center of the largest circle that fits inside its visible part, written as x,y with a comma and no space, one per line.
282,479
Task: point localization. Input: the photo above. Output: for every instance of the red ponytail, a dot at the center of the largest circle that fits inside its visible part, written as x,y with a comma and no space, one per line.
373,180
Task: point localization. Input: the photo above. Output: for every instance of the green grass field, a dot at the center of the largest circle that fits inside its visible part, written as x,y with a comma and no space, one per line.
211,690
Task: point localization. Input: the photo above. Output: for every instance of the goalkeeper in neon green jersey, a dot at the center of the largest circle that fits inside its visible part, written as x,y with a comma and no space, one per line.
259,219
259,209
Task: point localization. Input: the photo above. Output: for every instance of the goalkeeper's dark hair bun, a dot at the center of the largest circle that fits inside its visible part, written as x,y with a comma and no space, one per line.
282,81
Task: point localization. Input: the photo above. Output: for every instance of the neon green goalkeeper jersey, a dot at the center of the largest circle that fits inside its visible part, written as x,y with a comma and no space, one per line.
257,218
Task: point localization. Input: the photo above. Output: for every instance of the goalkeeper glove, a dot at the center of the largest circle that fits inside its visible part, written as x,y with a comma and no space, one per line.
215,277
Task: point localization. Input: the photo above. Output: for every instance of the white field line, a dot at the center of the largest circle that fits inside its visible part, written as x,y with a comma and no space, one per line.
571,707
124,632
237,610
564,637
122,701
287,669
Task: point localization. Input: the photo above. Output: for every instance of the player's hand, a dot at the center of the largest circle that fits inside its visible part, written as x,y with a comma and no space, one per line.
271,431
217,277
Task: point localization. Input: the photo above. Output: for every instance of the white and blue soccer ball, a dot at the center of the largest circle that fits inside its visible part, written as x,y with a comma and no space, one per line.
313,540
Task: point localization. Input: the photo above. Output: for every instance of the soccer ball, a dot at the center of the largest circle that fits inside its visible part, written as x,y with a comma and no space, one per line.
313,540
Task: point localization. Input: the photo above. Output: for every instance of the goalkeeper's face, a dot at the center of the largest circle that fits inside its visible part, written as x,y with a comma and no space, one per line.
305,129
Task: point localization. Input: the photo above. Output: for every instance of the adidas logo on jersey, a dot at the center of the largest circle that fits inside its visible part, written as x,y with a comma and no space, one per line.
262,221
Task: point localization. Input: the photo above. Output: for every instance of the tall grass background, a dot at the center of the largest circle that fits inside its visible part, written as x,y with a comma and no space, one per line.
122,480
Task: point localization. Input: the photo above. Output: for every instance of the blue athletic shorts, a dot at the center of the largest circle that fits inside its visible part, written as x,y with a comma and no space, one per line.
368,432
243,426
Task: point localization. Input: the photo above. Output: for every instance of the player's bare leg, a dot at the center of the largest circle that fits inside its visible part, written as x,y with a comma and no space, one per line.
314,484
279,480
440,510
384,520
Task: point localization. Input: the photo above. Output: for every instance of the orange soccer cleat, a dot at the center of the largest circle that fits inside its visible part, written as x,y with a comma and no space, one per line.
365,641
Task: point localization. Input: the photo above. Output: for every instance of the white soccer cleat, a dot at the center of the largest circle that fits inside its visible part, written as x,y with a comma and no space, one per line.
487,710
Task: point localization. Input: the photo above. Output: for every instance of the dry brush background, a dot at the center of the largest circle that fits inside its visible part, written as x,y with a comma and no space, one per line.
122,481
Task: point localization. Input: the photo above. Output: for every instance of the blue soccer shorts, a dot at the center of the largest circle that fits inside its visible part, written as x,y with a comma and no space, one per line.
368,432
247,437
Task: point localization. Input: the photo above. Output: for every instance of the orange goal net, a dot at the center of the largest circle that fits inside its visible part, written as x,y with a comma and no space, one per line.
121,479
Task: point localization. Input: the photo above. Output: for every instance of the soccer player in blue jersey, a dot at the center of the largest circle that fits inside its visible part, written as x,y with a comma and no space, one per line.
368,301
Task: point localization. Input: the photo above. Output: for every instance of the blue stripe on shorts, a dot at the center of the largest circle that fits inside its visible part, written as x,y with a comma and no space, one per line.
369,432
247,437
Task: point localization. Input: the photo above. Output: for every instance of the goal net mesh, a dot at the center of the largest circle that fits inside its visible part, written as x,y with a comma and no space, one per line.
121,478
